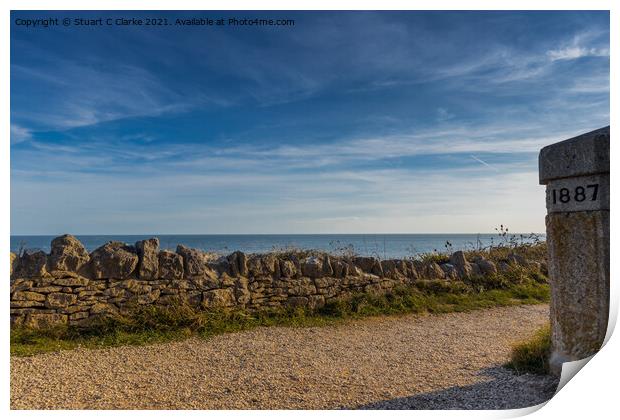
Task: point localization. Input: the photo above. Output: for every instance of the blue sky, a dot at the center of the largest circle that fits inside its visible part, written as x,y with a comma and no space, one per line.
354,122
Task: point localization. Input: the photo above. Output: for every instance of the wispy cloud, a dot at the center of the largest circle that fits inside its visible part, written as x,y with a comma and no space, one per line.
579,48
87,95
351,122
19,134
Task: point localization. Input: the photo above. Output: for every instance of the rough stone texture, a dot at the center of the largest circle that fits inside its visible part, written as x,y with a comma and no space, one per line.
369,265
60,300
594,189
287,269
450,271
578,244
586,154
170,265
67,254
13,260
312,267
113,283
432,270
459,261
114,260
32,263
486,267
219,298
194,262
238,264
579,276
148,258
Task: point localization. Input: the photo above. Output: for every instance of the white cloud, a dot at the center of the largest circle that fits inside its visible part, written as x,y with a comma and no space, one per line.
574,52
19,134
579,47
95,94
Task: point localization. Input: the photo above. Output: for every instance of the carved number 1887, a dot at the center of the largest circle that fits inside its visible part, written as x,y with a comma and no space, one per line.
579,194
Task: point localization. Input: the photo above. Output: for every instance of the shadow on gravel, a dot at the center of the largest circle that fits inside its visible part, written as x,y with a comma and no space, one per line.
502,390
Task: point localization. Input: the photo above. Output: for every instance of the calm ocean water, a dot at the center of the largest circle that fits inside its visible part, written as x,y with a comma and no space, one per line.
379,245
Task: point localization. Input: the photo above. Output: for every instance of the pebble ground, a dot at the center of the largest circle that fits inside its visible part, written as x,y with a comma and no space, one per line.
449,361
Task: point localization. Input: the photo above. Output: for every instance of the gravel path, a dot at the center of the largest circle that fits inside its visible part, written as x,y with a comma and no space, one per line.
429,362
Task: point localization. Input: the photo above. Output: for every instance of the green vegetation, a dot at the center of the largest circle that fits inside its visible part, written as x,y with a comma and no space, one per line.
151,324
532,356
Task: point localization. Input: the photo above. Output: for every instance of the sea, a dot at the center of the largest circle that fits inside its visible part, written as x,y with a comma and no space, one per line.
383,246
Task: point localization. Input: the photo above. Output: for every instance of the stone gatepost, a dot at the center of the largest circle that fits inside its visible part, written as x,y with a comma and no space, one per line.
576,173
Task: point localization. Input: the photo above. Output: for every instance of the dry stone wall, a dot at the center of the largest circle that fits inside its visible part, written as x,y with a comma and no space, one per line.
71,286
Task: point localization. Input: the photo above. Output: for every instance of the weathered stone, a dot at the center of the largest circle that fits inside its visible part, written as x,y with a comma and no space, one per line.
147,298
71,282
579,276
221,265
32,263
301,287
394,269
25,295
287,269
271,265
463,267
106,309
205,282
60,300
340,268
46,289
238,264
75,308
576,175
450,271
148,258
297,301
137,287
413,270
583,155
270,282
242,294
60,274
170,265
432,270
255,266
218,298
312,267
316,301
327,269
114,260
78,316
23,311
26,304
13,260
226,281
486,267
41,321
194,261
475,269
324,282
67,254
22,284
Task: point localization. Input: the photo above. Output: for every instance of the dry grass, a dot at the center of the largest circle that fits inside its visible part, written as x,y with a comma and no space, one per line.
532,356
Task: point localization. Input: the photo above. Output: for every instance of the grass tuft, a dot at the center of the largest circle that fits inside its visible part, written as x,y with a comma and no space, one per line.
532,356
